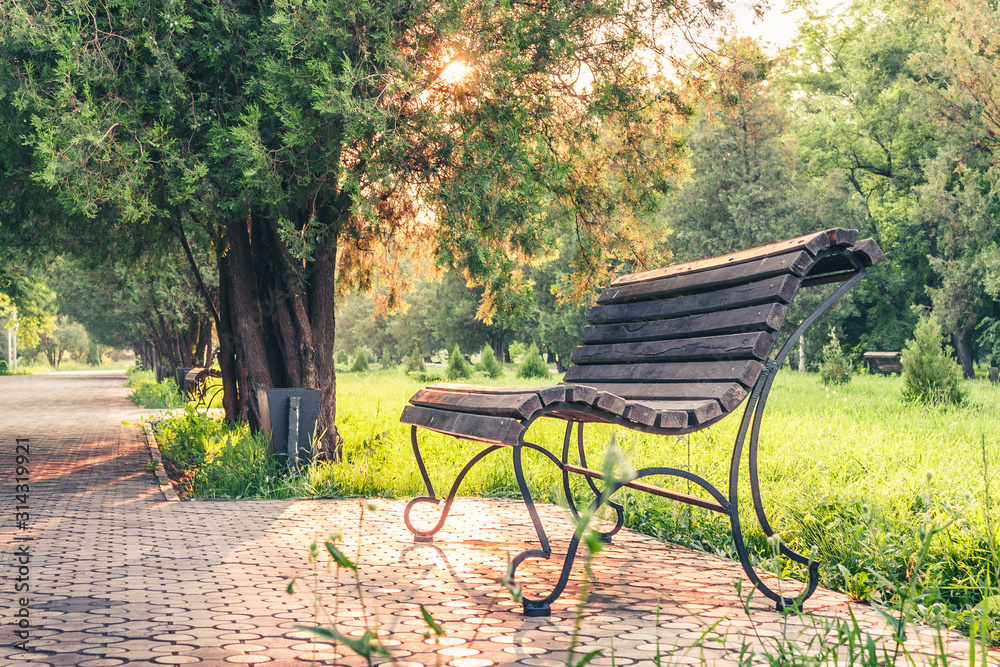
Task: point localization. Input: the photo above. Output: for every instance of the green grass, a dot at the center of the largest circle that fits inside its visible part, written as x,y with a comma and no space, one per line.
148,393
852,473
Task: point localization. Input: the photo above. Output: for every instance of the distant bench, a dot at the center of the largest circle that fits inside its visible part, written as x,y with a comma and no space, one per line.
885,363
666,352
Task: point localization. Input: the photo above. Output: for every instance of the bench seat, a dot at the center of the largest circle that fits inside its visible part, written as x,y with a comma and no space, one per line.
500,414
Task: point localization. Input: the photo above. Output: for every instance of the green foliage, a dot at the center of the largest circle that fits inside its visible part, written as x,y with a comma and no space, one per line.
533,365
360,362
458,366
157,395
94,355
136,375
930,375
342,357
3,366
237,465
488,363
836,368
989,339
415,362
184,440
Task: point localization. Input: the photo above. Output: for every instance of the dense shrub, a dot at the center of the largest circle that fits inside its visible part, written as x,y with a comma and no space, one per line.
415,362
458,367
930,375
533,365
136,375
836,367
185,439
342,357
488,363
157,395
3,366
360,361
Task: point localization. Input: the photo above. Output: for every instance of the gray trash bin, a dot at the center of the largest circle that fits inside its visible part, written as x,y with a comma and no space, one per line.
288,417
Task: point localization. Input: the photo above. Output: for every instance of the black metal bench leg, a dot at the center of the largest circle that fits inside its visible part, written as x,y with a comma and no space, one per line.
427,535
619,509
755,408
570,502
536,607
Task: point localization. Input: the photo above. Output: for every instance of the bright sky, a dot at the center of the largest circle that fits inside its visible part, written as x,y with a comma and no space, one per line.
778,26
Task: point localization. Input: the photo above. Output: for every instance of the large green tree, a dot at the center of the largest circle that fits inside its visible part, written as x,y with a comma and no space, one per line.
313,144
856,110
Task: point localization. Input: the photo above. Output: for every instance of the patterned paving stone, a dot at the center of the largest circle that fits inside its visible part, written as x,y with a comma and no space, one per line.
122,573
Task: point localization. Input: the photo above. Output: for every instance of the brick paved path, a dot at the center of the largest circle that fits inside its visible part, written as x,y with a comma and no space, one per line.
118,574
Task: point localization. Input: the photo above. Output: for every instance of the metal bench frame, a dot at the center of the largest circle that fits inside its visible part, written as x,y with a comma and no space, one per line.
724,503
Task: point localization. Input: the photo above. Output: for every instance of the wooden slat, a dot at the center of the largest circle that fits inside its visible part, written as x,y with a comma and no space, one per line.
499,430
754,345
813,243
828,278
728,394
766,317
676,419
554,394
639,413
744,372
869,251
795,263
519,406
699,412
840,237
777,288
654,490
579,394
610,403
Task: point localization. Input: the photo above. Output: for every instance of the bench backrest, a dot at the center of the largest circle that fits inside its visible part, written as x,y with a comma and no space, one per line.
695,336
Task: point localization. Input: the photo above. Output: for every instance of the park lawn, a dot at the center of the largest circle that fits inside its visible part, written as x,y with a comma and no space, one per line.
850,473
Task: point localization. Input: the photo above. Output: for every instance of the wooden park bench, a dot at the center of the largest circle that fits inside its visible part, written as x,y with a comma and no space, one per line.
195,385
666,352
884,363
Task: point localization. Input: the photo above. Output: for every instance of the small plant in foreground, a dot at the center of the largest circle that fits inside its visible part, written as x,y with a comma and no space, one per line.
836,368
458,367
930,375
488,363
152,466
533,365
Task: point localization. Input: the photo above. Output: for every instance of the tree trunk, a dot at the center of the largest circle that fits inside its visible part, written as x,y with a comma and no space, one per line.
964,356
248,322
227,343
322,323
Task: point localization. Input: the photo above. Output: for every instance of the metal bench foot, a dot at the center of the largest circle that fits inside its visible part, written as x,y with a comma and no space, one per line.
428,535
536,608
